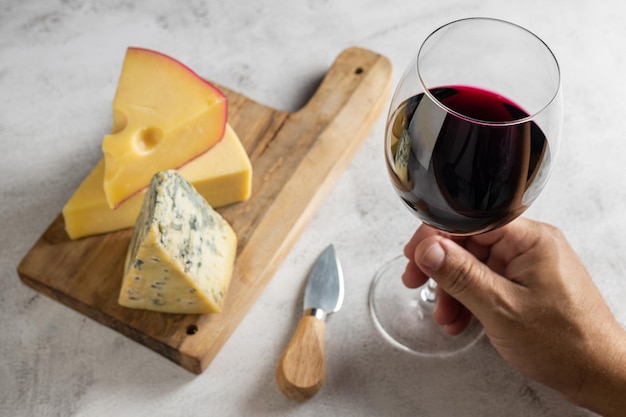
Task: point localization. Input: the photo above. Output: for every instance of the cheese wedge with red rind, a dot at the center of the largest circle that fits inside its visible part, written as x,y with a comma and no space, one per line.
222,175
164,115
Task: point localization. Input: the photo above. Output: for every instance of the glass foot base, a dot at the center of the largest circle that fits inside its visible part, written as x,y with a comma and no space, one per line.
404,318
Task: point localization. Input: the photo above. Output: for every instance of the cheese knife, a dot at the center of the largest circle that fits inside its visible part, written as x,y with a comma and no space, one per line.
302,366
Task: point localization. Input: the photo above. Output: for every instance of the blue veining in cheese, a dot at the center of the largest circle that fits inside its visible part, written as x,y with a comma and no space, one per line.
181,255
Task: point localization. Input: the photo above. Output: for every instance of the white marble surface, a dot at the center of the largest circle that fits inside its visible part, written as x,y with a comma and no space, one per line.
59,62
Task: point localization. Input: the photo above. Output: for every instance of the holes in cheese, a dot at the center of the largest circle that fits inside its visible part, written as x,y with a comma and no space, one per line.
164,115
148,139
181,256
222,175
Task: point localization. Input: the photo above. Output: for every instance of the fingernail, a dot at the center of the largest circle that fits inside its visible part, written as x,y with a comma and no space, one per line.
433,257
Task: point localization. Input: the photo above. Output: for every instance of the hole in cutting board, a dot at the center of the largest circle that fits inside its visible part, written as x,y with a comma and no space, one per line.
192,329
358,71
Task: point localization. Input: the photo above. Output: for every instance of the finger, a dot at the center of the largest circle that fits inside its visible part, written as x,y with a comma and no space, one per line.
453,315
422,232
460,323
481,252
509,241
518,246
461,275
447,308
413,277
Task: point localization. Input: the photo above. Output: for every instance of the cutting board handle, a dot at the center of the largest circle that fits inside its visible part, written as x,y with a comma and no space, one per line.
345,79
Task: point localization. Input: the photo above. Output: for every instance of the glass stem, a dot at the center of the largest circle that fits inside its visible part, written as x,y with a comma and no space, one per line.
428,292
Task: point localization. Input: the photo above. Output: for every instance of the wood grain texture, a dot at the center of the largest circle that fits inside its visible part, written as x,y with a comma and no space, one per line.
301,369
296,159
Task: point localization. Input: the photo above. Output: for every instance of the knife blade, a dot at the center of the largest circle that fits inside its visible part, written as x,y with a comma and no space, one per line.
302,366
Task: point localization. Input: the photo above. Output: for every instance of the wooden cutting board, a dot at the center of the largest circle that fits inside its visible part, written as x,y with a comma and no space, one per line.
296,159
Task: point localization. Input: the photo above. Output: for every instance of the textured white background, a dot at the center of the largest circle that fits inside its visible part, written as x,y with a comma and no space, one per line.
59,63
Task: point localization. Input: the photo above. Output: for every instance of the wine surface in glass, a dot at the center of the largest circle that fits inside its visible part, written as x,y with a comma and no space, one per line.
467,167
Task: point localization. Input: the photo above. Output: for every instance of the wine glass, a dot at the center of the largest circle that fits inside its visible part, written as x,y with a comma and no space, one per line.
473,128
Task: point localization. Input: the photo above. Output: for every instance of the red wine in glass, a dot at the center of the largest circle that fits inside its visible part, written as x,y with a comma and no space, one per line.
464,159
473,128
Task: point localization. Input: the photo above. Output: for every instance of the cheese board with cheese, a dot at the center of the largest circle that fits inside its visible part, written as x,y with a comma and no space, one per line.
296,159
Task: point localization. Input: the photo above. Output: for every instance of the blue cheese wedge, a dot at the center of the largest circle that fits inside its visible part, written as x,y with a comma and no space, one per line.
181,256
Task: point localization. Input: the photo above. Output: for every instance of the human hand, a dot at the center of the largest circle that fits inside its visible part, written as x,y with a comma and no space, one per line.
538,305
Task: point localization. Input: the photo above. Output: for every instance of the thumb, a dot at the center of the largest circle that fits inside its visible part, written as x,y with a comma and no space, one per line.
460,274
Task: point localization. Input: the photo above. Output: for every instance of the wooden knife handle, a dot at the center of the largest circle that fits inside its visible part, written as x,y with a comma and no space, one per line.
302,367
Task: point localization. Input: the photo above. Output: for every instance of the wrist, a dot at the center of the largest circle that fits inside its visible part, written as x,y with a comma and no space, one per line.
603,387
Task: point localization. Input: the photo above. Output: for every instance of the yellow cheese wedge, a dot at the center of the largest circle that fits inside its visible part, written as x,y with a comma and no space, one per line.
181,256
223,175
163,116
